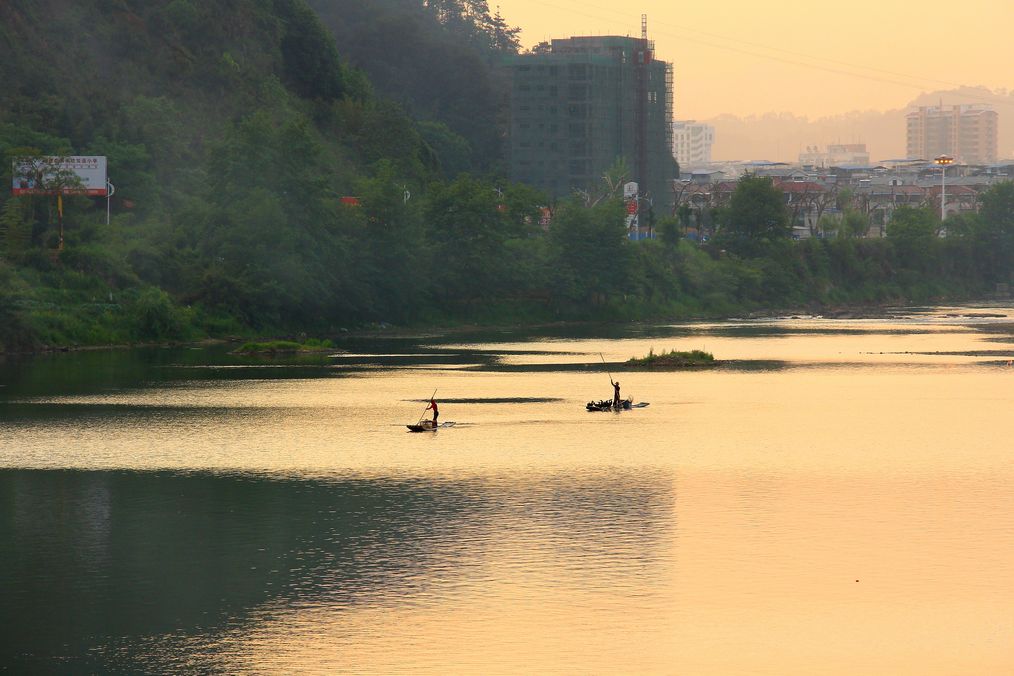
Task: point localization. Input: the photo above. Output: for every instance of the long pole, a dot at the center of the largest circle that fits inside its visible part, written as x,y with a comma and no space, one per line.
423,414
607,369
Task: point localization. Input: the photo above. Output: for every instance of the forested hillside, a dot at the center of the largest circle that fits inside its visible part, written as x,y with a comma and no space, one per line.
232,130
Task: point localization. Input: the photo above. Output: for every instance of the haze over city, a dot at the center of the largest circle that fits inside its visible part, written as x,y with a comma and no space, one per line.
813,74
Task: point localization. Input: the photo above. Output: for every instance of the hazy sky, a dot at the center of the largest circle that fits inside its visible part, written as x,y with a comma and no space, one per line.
811,58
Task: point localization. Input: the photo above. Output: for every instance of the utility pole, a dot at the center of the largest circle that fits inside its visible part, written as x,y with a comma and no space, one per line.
110,191
943,162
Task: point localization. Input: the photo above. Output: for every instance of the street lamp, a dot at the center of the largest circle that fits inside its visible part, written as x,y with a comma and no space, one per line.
943,162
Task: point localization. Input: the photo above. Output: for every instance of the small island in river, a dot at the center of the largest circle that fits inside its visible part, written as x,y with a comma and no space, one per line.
674,359
274,347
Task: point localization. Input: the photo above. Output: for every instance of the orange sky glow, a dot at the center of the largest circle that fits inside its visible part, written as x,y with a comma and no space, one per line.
812,59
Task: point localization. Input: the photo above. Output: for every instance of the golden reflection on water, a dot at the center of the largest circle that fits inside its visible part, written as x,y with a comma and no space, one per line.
851,513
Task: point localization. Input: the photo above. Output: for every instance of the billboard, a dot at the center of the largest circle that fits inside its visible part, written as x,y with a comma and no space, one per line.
52,175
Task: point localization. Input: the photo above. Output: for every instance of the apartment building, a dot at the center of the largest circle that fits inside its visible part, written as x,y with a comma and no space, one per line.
967,133
692,142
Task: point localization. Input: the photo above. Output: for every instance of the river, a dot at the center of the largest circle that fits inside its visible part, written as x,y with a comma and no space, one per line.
837,497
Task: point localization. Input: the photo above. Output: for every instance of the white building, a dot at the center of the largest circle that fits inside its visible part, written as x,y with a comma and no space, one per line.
967,132
838,155
691,143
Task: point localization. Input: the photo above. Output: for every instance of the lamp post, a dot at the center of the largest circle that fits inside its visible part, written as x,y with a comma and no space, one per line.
943,162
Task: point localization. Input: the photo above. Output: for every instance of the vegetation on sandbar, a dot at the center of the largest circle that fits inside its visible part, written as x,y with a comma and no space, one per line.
674,359
272,347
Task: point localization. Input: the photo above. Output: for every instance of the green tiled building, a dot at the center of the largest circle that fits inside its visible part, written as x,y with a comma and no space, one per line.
582,104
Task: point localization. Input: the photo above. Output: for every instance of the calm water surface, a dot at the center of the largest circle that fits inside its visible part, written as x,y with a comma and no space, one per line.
836,498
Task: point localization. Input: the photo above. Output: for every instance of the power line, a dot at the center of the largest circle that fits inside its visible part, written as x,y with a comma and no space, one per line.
613,16
790,52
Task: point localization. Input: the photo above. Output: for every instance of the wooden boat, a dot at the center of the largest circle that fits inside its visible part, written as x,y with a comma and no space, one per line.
427,426
607,405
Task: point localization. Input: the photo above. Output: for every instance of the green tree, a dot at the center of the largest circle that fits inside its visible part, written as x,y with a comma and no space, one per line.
590,252
468,231
15,333
757,215
828,225
997,228
854,224
913,231
671,229
391,252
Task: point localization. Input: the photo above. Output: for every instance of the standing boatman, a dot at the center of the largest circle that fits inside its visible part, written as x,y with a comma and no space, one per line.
616,394
436,411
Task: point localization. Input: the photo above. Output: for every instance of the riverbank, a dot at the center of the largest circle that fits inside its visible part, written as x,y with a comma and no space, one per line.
450,327
281,343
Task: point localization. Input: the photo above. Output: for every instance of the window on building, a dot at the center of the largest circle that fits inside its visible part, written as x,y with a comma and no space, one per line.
577,71
577,110
578,167
577,92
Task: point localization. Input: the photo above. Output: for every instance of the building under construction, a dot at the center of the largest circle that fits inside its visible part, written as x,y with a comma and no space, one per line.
582,104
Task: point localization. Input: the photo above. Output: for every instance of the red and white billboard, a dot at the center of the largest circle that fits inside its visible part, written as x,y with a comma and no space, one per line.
52,175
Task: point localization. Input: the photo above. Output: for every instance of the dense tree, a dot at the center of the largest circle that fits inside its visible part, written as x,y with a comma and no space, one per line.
390,252
997,228
757,215
467,230
854,224
590,252
912,232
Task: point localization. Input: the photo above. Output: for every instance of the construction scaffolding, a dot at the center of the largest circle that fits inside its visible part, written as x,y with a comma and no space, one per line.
585,104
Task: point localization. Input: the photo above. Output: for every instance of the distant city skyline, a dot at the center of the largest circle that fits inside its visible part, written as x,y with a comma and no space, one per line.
744,58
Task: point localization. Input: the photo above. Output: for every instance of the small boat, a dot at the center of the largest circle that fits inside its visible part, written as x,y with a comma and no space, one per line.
607,405
428,426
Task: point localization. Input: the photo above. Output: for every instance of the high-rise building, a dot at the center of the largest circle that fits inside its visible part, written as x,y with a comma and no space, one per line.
967,132
584,103
691,143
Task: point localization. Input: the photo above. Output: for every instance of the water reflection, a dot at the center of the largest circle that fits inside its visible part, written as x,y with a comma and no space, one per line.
97,564
843,500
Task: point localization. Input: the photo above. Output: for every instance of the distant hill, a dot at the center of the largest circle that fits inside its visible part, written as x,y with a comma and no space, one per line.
781,136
